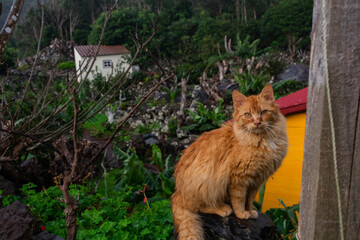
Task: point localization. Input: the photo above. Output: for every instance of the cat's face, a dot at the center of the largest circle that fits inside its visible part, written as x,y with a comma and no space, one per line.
256,113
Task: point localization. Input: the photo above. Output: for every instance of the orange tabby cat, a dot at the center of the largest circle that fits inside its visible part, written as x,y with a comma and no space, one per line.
228,165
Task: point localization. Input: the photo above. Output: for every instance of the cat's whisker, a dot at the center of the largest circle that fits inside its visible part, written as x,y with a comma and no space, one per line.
270,130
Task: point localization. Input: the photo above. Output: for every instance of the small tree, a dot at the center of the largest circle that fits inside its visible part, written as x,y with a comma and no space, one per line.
34,119
287,23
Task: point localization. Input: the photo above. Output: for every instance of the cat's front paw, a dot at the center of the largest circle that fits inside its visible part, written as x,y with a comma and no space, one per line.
253,214
225,211
243,215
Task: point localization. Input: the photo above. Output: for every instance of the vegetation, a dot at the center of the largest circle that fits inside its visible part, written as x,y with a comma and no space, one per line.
205,119
251,84
126,214
285,219
45,115
188,31
66,65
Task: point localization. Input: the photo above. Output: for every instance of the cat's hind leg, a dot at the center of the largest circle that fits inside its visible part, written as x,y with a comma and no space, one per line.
222,210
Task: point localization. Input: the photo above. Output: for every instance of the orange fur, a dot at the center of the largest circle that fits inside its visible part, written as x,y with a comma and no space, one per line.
223,169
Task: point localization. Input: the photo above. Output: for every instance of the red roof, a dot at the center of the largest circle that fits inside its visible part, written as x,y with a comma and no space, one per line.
293,103
89,50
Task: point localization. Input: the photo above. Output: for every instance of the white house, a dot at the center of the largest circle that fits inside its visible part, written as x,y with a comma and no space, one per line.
109,60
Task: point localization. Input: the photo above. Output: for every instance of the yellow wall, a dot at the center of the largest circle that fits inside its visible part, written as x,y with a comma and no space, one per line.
285,183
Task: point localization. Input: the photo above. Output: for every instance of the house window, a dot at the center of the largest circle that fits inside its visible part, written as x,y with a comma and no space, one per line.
107,63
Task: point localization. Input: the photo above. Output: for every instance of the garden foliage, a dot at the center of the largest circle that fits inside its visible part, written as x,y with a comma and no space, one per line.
125,214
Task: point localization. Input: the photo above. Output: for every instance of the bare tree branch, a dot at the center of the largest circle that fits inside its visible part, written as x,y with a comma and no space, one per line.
32,69
33,138
10,23
84,169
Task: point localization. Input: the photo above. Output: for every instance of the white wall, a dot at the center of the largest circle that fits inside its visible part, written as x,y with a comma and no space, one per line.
120,63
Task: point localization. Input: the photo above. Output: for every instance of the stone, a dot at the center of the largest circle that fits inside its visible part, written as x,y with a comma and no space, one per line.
161,95
7,186
298,72
226,87
136,123
199,95
233,228
180,133
17,222
151,141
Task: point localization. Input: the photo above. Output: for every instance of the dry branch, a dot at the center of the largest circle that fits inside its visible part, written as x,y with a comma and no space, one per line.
10,23
84,169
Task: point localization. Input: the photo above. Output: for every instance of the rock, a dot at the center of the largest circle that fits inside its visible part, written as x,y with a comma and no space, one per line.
161,95
17,223
150,139
180,133
298,72
192,137
226,87
161,115
165,129
8,187
198,95
136,123
233,228
46,236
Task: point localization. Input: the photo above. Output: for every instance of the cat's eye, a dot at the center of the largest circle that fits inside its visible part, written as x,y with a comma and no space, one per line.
263,112
248,115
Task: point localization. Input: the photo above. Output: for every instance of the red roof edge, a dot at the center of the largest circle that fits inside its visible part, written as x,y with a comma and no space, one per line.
293,103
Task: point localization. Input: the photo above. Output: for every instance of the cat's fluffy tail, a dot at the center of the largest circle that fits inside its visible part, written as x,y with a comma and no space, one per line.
187,223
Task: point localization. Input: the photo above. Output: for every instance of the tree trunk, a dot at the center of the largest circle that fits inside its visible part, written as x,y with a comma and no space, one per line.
244,11
319,212
291,47
70,210
237,5
181,114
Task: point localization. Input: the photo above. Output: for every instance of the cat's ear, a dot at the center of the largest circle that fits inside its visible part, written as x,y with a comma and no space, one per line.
267,93
238,98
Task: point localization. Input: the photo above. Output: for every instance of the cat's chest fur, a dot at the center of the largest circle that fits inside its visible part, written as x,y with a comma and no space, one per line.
258,159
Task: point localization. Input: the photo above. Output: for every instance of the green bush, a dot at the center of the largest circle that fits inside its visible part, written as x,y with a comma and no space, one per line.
114,217
134,173
287,19
250,84
145,129
204,119
285,219
66,65
286,87
172,125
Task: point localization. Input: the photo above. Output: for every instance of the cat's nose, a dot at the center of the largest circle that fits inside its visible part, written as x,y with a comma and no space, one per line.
257,124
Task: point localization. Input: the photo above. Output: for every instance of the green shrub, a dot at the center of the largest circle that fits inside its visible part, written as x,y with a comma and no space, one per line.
145,129
134,173
250,84
204,119
66,65
275,64
172,94
114,217
285,219
286,87
172,125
